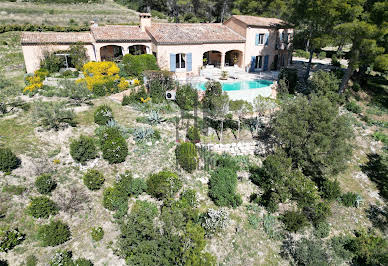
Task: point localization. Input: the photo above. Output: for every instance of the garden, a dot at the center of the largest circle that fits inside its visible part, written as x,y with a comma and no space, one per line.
87,179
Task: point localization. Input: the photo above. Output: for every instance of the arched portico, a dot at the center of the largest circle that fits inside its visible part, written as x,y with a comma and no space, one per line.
234,57
111,53
138,49
212,58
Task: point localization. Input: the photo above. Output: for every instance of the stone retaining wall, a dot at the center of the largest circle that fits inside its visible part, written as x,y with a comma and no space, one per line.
240,148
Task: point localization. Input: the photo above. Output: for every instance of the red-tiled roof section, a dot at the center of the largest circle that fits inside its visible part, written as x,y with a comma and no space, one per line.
179,33
56,37
259,21
119,33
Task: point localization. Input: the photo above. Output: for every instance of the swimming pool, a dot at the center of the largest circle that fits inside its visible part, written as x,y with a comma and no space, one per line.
239,85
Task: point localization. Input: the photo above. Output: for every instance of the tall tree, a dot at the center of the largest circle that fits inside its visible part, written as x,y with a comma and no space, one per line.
314,19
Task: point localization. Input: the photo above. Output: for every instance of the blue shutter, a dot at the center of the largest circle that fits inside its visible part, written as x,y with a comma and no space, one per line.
266,38
257,39
189,62
282,37
265,68
253,60
172,62
286,37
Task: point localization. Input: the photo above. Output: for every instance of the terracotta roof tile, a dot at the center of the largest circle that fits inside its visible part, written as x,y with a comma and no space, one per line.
56,37
259,21
119,33
179,33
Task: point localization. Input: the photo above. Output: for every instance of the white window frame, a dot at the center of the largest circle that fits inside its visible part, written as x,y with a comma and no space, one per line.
180,59
257,62
261,38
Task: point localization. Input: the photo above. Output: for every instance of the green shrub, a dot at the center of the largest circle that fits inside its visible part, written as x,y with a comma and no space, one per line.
290,76
222,187
186,155
353,107
83,262
322,55
114,199
227,161
54,115
310,252
54,233
164,184
302,53
322,230
78,56
331,190
10,239
135,65
339,245
42,207
8,160
349,199
186,97
126,100
193,134
45,184
326,84
14,189
83,149
62,258
115,149
214,221
334,61
294,220
93,179
31,260
103,114
369,248
97,233
318,212
51,62
138,186
135,97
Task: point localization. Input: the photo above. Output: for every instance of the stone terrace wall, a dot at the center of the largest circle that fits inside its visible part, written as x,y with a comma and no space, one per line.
240,148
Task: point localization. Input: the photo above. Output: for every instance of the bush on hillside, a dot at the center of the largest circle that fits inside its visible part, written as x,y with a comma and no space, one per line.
83,149
126,100
163,185
54,115
353,107
93,179
349,199
42,207
317,213
103,114
115,199
290,76
294,221
193,134
10,239
54,233
8,160
138,186
331,190
186,155
186,97
227,161
51,62
322,230
97,233
45,184
222,188
78,56
115,149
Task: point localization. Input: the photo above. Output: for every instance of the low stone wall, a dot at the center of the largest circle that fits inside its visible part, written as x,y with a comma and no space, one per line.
240,148
54,82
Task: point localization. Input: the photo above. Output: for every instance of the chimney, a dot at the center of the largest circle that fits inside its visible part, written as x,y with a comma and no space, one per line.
145,20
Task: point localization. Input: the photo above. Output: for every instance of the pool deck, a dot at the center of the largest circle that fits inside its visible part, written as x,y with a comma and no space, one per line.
248,94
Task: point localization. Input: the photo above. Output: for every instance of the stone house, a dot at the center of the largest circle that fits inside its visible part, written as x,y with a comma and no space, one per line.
249,42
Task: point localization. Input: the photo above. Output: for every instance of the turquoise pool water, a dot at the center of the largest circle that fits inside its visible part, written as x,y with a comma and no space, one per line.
239,85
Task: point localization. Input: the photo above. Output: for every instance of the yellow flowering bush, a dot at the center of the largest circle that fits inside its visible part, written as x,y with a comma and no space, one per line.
136,82
35,82
103,78
145,100
123,85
